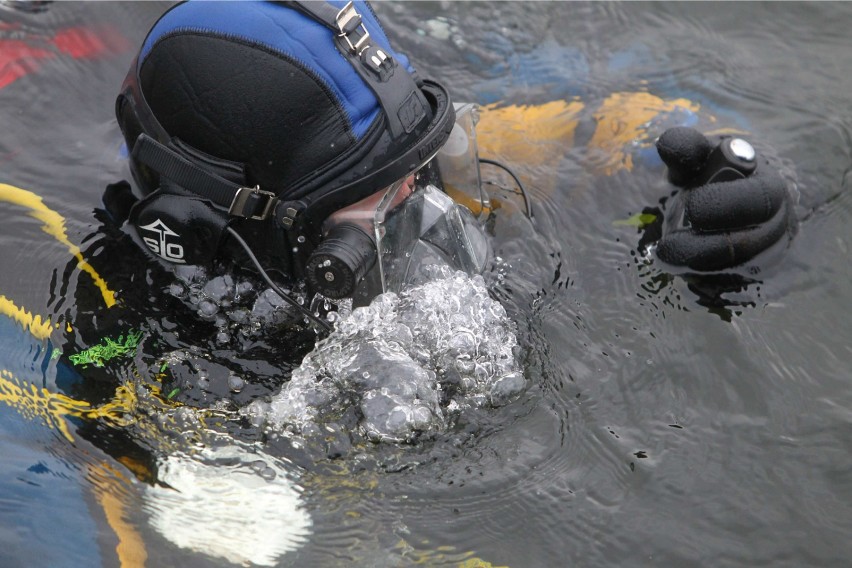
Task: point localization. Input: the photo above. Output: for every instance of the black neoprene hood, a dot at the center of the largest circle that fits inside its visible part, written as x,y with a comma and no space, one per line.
260,93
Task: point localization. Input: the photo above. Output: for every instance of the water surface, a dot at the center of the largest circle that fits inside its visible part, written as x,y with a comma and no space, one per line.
656,428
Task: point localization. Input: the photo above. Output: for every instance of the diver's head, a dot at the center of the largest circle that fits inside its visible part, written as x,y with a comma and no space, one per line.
256,121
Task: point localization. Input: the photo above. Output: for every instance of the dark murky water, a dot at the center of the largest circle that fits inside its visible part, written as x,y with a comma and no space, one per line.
657,427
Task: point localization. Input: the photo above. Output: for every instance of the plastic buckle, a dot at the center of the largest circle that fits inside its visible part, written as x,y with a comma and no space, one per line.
348,21
377,61
241,200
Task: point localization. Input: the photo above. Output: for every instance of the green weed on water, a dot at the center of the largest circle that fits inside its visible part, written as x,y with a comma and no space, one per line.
107,349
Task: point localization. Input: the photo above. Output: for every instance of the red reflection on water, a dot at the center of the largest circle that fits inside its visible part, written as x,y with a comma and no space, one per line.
20,56
17,59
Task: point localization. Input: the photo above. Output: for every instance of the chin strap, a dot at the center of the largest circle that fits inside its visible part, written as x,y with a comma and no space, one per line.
239,201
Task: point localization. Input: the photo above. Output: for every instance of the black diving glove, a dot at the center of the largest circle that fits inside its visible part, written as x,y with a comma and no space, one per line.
733,204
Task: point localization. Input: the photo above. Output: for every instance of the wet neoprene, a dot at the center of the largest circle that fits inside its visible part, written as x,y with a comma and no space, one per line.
730,209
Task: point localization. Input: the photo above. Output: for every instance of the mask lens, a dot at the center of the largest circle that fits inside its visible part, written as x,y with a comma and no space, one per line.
428,228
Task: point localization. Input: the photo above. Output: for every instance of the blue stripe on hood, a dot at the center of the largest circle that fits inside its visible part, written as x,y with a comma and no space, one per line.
290,33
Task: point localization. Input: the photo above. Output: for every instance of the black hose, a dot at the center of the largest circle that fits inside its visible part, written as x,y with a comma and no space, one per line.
523,192
275,288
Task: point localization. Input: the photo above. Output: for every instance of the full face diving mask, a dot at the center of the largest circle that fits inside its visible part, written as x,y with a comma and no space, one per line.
384,242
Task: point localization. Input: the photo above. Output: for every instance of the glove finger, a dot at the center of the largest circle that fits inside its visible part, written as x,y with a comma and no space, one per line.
735,204
718,251
684,150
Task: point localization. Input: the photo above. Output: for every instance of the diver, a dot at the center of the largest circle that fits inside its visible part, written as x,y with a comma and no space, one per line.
287,136
293,165
290,141
322,182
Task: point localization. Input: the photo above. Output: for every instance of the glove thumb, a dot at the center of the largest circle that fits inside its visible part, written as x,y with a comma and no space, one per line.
684,150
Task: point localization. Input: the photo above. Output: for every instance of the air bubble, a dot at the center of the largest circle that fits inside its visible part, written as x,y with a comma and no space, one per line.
177,290
220,288
393,358
235,383
207,309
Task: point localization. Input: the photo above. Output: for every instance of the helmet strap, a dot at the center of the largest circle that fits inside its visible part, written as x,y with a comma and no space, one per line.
405,107
239,201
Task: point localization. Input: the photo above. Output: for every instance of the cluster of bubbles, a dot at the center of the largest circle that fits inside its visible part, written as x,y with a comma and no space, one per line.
238,305
406,365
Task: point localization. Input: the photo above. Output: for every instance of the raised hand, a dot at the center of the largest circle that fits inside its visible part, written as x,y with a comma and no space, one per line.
733,205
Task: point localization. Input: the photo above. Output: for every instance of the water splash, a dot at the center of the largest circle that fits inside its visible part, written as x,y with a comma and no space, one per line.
407,364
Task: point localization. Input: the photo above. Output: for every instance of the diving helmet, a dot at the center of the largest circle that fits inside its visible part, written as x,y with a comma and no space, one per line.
250,123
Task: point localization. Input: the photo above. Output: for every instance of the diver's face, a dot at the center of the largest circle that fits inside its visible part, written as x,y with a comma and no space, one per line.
361,212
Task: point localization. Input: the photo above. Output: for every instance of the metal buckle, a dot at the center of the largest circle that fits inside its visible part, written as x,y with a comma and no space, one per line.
348,20
238,205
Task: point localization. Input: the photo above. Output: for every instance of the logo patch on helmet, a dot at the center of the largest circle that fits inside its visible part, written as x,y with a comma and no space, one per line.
163,242
411,112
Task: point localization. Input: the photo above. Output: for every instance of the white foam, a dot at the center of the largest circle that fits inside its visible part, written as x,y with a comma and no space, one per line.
228,503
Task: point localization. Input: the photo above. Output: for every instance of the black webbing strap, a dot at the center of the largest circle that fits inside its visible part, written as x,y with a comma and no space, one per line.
248,202
322,12
398,93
